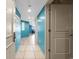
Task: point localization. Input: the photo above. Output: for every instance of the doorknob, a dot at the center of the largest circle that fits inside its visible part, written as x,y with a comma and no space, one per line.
14,37
49,30
71,35
49,50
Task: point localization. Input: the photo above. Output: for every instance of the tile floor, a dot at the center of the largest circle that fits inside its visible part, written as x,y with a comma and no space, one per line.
29,50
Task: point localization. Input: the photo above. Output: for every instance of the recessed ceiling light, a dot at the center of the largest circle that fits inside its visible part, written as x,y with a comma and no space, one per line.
29,10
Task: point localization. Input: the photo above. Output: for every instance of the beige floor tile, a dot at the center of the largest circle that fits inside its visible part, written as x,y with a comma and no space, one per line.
19,55
28,49
29,56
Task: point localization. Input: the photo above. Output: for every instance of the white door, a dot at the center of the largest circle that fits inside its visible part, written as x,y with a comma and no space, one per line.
10,45
61,26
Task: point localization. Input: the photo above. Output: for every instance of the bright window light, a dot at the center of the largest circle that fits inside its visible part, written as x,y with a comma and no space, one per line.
23,26
40,20
42,17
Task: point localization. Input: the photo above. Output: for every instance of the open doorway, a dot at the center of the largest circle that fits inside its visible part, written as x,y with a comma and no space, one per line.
30,34
41,30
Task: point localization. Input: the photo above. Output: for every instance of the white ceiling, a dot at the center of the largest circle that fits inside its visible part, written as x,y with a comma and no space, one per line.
36,6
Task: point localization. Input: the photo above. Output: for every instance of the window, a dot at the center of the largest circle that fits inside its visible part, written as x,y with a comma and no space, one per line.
23,26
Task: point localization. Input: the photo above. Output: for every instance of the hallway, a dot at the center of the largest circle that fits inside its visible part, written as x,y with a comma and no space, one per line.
29,50
39,29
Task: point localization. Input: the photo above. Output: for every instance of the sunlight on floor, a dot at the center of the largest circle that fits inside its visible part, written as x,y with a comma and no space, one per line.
32,39
29,50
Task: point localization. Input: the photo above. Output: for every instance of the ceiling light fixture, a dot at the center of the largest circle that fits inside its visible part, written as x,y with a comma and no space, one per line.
29,9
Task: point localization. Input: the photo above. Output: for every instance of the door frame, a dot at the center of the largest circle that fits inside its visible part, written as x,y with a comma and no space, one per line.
47,26
48,10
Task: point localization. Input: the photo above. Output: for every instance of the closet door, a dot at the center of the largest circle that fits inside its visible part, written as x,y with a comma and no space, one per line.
10,45
61,26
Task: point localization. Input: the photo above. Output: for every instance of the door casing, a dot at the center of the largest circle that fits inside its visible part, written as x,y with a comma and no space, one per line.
52,31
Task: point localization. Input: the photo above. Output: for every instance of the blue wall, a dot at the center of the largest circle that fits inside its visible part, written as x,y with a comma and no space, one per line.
19,33
30,28
25,32
18,13
41,30
18,30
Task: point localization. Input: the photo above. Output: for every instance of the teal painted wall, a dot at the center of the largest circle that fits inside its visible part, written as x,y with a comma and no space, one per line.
18,34
25,32
18,30
18,13
30,29
41,29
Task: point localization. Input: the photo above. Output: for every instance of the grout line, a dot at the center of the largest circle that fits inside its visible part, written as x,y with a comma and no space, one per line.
24,47
34,52
34,48
24,51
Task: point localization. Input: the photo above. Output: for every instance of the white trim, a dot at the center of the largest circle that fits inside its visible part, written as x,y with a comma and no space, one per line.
45,32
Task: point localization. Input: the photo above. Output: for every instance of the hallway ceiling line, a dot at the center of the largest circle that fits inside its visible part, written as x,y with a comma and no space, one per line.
36,6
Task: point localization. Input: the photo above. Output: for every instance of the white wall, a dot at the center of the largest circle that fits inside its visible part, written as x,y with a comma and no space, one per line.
10,45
